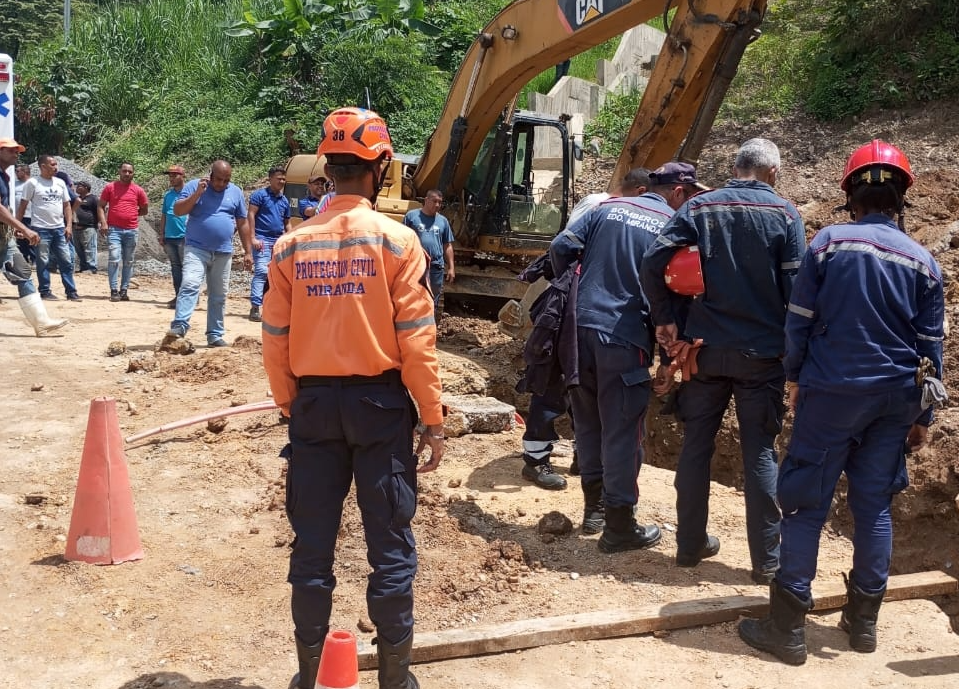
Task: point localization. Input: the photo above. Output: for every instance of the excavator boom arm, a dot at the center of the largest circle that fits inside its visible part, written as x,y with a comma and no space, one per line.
530,36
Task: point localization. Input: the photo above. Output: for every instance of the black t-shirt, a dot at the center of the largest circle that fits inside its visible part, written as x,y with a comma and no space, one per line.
87,211
5,189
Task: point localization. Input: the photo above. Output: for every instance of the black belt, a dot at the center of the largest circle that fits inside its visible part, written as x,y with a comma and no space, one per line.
391,376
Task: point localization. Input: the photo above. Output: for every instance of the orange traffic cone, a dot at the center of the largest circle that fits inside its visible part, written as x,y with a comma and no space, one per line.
339,668
103,528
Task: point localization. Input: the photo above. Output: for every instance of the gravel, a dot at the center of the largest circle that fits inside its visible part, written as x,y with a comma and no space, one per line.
76,173
239,278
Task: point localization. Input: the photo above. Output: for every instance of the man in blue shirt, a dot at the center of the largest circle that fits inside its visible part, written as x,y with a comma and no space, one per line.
436,236
173,229
215,208
267,220
750,242
315,187
615,349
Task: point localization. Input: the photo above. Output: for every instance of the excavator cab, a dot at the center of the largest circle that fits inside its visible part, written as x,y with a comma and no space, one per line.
518,191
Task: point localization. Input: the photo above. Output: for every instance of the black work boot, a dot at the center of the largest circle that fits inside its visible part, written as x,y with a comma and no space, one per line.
594,510
859,616
393,663
309,660
544,476
690,559
783,632
574,465
623,533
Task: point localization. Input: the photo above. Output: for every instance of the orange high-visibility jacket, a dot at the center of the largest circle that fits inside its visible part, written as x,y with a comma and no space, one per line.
348,296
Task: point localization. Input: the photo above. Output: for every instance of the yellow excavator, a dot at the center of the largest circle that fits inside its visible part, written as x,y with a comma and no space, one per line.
504,202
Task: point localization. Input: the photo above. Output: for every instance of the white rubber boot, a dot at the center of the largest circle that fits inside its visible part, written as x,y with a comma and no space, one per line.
36,314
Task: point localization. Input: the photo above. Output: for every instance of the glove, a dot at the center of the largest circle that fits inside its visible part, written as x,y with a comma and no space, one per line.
684,356
933,391
17,270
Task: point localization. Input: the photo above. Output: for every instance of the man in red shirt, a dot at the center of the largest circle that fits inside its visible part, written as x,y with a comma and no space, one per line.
126,202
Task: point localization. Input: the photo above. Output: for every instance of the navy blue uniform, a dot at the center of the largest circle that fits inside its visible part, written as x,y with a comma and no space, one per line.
613,336
867,304
344,428
751,242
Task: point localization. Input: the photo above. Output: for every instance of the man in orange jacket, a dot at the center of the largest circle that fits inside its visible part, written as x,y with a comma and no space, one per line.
348,334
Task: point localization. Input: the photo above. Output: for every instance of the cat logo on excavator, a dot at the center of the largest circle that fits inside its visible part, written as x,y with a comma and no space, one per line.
577,13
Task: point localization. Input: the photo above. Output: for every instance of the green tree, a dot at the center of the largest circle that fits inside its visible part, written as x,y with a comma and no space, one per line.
28,22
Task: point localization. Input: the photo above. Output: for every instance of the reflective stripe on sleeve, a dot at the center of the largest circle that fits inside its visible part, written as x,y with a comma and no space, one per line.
576,241
413,325
789,265
880,252
273,330
663,240
928,338
800,311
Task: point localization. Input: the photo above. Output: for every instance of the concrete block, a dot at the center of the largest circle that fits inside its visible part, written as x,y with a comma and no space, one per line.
605,72
476,414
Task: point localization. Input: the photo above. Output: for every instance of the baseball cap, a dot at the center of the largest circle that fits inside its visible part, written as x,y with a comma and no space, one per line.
675,172
8,142
175,170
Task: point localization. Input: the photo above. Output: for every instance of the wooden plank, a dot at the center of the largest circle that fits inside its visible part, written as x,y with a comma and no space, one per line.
832,595
605,624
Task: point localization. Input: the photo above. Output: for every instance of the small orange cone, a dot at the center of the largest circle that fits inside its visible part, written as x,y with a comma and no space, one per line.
339,668
103,528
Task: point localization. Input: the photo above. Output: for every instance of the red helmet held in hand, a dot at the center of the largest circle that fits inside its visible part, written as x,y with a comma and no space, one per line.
357,132
684,272
875,163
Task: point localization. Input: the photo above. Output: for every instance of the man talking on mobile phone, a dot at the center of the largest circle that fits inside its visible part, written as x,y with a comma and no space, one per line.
215,208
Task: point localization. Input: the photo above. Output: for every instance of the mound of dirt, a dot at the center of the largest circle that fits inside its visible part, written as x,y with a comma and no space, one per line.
211,365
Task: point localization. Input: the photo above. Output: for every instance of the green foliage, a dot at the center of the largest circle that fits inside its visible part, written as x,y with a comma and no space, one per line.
582,66
841,58
229,131
775,70
157,81
124,64
56,110
314,55
31,22
613,121
458,24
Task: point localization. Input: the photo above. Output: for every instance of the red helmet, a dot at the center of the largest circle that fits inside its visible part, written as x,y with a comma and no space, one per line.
874,163
357,132
684,272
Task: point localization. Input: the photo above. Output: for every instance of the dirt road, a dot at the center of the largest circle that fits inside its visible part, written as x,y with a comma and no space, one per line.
208,606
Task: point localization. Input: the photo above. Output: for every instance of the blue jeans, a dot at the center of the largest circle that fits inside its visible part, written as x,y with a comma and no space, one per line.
85,243
54,241
261,263
174,252
609,406
6,254
436,285
757,386
862,435
215,265
123,246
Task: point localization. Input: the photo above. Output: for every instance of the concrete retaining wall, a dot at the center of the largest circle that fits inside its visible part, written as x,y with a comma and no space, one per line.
629,69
